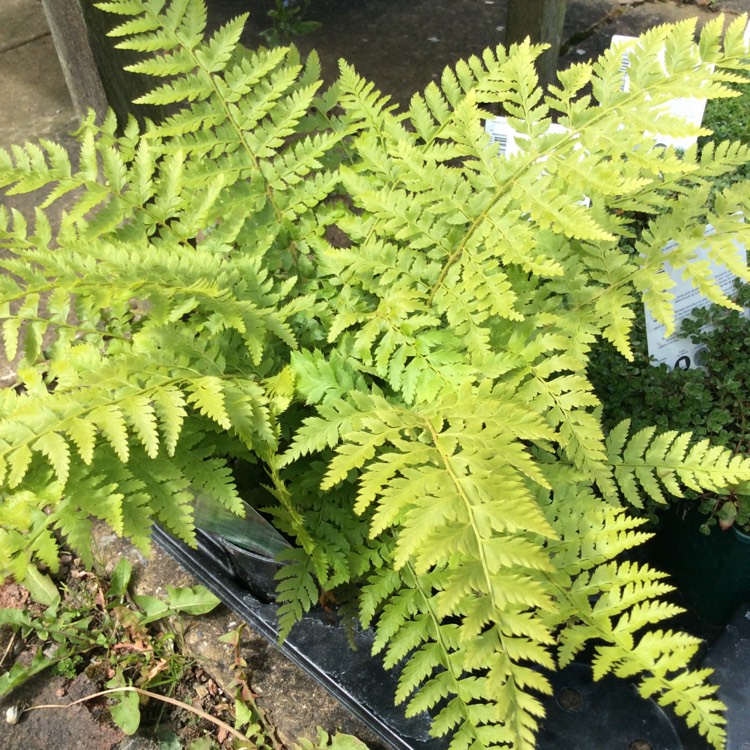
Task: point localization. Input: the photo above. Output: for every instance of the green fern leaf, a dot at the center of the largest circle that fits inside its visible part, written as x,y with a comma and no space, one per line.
56,450
645,463
142,416
11,334
77,529
19,461
169,404
296,590
46,549
170,497
83,434
207,393
110,420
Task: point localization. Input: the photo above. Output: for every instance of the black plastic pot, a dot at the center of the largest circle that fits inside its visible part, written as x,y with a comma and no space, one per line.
729,657
711,572
581,715
316,645
255,571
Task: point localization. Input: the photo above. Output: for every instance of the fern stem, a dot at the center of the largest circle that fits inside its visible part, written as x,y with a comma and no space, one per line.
8,648
436,623
68,326
499,620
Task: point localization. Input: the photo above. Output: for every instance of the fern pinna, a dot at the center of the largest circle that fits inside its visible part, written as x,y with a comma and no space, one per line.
414,392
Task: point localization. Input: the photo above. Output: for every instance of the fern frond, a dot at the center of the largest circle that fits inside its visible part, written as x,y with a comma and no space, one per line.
364,102
319,380
612,603
580,431
89,414
161,27
318,433
647,463
440,672
207,394
296,589
463,487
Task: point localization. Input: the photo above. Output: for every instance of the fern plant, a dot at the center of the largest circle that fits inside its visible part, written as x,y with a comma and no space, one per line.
394,324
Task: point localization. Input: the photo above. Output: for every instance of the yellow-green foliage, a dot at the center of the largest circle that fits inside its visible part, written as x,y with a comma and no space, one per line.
415,391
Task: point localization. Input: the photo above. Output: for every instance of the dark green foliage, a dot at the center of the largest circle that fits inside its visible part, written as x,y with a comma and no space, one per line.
394,326
712,401
288,20
727,375
729,119
709,402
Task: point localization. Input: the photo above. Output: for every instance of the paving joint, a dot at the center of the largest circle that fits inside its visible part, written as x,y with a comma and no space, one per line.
17,45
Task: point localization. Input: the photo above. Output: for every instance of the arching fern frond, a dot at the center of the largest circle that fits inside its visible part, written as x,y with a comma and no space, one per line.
414,471
452,674
648,463
614,606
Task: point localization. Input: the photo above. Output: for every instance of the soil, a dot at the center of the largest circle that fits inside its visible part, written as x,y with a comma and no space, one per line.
88,725
401,47
291,704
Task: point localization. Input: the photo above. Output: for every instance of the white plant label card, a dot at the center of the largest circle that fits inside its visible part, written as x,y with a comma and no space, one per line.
506,138
689,109
675,351
502,134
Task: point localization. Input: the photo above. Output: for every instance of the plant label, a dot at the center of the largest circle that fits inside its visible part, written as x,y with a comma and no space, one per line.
689,109
503,134
506,137
675,351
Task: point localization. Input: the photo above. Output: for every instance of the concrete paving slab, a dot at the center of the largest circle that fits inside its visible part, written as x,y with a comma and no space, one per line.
21,21
34,101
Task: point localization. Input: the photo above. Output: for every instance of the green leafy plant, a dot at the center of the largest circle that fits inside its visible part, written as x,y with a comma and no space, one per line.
338,741
728,119
288,21
710,401
394,324
97,622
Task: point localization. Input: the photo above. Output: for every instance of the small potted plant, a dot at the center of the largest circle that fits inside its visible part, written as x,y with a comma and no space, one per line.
703,543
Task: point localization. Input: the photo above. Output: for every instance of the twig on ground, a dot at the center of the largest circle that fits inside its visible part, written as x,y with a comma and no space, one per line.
10,645
129,689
